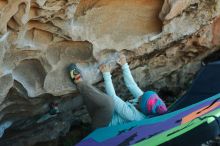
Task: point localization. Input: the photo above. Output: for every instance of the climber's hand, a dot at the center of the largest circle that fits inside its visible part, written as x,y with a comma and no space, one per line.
122,59
105,68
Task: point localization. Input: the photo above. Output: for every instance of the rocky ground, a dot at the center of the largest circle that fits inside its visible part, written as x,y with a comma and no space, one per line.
165,42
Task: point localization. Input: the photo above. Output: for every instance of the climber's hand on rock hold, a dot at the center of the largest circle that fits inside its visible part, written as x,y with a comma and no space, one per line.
122,59
105,68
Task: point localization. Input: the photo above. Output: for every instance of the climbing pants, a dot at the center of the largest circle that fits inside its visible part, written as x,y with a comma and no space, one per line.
99,105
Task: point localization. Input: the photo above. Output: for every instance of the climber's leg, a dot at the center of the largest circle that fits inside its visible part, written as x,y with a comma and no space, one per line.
99,105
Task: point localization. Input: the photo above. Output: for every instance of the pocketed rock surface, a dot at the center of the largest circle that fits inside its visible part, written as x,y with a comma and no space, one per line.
164,41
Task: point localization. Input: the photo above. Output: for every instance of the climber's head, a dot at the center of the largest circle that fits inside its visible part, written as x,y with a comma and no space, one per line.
150,103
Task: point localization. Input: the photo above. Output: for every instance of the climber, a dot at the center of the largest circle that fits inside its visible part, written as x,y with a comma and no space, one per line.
108,109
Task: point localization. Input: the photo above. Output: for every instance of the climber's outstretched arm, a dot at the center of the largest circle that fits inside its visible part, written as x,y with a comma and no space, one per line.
130,83
128,79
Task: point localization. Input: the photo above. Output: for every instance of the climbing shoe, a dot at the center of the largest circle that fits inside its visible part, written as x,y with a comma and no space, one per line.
74,72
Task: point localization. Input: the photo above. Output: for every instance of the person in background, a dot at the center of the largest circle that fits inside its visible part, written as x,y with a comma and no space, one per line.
109,109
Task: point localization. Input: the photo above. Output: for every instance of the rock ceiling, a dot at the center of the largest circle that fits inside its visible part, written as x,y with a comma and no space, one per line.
163,40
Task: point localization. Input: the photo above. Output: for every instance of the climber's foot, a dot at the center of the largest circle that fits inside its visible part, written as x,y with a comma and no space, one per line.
74,73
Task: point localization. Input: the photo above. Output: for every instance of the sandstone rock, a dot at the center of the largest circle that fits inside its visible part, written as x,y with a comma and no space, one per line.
172,8
10,9
40,38
6,82
34,76
3,47
105,29
216,32
3,127
59,56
